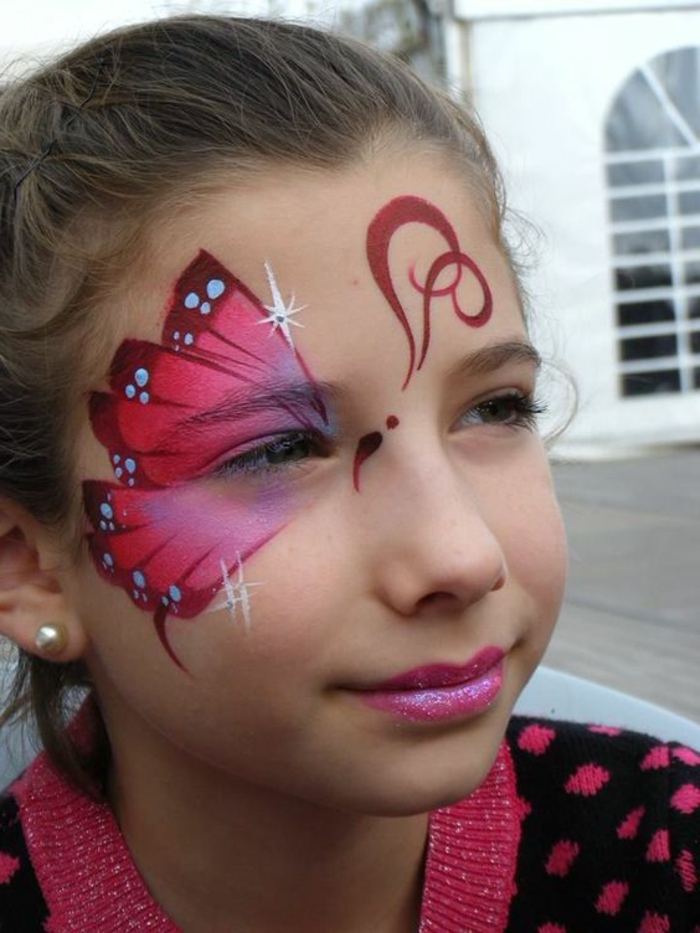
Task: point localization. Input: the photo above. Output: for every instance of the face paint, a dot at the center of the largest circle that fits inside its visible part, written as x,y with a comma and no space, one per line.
238,594
280,313
410,209
394,215
167,532
366,446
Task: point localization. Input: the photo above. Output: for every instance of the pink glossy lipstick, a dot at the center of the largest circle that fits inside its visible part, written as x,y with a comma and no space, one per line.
441,691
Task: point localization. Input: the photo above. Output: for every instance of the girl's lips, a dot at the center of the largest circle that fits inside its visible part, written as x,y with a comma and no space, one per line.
443,675
439,691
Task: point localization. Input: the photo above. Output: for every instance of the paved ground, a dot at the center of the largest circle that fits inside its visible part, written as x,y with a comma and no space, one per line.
632,614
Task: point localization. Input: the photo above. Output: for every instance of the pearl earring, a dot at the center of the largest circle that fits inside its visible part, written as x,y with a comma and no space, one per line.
51,638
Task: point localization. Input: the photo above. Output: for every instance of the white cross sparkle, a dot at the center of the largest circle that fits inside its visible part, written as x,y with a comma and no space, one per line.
280,314
237,594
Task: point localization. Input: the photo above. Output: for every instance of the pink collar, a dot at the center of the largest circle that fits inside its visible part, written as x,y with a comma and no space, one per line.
91,884
472,856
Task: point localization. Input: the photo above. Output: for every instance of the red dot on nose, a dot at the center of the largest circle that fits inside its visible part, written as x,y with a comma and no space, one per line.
392,422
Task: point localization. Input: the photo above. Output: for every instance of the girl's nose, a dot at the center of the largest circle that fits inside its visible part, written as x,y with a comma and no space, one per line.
437,552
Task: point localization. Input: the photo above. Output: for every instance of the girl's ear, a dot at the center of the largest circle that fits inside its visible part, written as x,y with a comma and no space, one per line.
35,612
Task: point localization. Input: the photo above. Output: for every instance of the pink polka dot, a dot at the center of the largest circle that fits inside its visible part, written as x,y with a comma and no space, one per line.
686,799
524,808
562,857
612,897
659,757
8,866
551,928
687,755
655,923
605,730
536,739
685,866
588,780
659,849
629,827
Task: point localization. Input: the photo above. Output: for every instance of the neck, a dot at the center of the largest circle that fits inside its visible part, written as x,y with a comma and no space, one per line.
221,855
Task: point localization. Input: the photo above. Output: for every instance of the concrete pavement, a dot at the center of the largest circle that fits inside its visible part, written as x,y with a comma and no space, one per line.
631,619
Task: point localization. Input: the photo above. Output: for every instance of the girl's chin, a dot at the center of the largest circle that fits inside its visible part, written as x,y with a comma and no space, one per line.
395,800
423,783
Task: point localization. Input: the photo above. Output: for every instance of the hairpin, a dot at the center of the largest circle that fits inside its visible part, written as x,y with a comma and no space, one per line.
37,160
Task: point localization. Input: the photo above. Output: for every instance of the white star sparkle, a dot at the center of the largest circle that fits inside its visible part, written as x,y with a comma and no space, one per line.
237,594
280,314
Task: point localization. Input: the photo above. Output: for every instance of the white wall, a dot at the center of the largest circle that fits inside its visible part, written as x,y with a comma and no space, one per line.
29,27
490,9
543,88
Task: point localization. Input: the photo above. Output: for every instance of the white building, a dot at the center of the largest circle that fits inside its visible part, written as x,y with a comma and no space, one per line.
594,110
38,27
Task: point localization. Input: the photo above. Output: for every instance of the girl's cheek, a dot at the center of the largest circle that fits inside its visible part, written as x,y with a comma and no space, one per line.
533,530
175,551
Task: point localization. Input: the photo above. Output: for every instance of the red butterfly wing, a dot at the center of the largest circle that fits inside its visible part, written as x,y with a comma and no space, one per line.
166,541
217,342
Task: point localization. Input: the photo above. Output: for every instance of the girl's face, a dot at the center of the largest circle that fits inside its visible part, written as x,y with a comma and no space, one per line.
312,469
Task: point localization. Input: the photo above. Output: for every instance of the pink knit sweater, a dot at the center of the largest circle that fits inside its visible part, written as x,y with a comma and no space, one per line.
91,884
577,829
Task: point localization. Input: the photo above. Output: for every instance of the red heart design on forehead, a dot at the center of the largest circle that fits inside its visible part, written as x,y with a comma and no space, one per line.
397,213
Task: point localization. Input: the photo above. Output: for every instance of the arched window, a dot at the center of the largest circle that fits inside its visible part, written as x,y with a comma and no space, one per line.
652,138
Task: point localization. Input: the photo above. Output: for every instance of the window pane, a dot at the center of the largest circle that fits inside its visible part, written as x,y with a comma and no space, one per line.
666,380
638,120
644,312
692,273
635,173
646,241
643,277
690,238
638,208
689,202
648,348
687,168
695,342
679,74
696,377
693,307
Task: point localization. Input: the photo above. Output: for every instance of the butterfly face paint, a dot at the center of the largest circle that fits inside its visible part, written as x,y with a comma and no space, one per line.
225,382
366,446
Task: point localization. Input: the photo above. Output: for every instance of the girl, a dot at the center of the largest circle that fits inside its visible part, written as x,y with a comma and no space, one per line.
273,495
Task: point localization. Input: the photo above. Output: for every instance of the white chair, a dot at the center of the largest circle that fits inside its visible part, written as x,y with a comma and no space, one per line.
556,695
16,751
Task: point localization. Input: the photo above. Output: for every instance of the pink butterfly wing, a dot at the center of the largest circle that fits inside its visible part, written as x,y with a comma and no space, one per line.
216,341
158,537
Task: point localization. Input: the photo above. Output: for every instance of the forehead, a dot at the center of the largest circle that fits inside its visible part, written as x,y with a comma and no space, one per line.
310,230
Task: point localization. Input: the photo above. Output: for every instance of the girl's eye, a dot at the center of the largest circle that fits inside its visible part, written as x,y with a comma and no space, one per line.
513,409
280,453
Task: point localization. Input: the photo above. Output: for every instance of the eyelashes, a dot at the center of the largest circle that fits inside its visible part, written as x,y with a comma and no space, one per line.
293,450
282,452
511,409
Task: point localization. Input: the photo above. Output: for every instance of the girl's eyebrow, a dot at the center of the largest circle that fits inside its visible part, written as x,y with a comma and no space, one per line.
291,397
262,397
490,358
